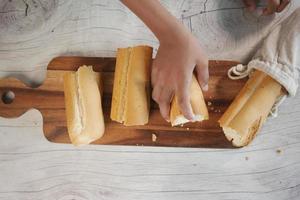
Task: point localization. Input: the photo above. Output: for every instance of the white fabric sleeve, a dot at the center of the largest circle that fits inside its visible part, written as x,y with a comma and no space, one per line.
279,55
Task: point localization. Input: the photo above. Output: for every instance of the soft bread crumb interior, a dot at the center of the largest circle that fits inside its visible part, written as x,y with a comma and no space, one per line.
233,136
78,107
82,140
180,119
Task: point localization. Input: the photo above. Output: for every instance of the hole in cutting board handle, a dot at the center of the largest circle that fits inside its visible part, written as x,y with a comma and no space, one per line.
8,97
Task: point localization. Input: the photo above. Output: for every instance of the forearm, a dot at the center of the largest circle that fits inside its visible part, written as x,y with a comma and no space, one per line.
156,17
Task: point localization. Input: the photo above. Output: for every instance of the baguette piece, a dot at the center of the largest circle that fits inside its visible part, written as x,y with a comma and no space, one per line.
250,109
131,90
83,105
197,103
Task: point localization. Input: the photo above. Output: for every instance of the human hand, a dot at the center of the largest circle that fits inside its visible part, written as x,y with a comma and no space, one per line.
178,55
172,69
272,6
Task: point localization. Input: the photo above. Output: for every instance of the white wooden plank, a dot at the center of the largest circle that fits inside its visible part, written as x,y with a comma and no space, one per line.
33,168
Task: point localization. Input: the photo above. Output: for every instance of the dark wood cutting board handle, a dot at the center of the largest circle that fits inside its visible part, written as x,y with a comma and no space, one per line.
45,96
17,98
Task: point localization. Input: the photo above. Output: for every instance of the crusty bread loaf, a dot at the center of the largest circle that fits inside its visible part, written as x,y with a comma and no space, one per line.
249,110
83,105
197,103
131,89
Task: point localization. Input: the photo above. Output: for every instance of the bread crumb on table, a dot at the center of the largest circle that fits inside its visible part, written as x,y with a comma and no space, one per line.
246,158
154,137
278,151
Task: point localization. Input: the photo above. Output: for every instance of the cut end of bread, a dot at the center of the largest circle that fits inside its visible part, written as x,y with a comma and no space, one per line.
85,120
81,140
197,103
236,139
180,120
249,110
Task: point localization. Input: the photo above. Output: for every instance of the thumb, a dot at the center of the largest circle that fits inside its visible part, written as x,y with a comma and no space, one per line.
202,74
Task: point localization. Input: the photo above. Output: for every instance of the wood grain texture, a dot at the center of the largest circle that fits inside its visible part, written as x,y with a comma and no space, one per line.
49,100
33,168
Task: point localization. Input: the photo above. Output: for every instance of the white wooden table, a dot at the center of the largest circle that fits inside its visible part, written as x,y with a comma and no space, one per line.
33,32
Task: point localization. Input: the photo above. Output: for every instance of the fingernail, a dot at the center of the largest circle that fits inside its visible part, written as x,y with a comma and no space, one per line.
192,118
205,87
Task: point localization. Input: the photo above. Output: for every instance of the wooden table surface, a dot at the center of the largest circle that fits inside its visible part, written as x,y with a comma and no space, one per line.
33,32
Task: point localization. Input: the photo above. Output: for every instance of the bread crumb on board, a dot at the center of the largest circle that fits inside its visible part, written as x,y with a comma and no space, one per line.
154,137
187,128
209,103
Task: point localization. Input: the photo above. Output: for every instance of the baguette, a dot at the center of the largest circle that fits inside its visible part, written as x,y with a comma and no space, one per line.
249,110
197,103
131,90
84,113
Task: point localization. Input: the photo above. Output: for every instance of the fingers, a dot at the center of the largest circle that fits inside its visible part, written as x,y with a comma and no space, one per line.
283,5
271,7
183,98
275,6
203,74
250,4
163,97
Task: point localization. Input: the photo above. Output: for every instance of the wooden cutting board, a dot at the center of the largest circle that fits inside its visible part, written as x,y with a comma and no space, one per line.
49,100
